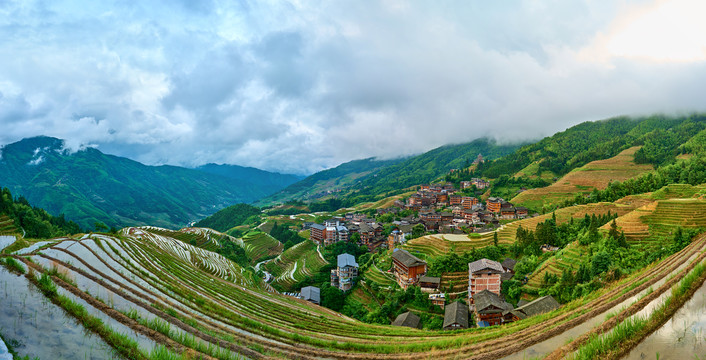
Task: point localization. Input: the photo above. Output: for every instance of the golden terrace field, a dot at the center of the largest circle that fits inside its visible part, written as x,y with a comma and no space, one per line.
596,174
441,244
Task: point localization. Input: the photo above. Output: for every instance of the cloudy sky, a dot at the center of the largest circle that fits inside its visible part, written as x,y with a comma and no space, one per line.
298,86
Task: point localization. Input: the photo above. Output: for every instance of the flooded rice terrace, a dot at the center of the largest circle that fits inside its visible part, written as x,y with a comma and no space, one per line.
682,337
33,326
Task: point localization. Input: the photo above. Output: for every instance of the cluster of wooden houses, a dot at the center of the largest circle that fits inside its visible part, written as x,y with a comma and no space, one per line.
485,300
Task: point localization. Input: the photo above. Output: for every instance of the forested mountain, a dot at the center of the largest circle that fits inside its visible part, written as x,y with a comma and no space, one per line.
341,177
17,216
270,182
89,186
361,180
659,136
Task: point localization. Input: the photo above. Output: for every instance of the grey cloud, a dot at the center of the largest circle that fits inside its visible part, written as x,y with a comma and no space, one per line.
298,87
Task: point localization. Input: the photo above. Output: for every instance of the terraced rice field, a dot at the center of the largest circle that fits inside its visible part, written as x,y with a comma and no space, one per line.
596,174
295,264
566,258
660,218
201,237
191,301
7,226
374,275
455,282
441,244
259,245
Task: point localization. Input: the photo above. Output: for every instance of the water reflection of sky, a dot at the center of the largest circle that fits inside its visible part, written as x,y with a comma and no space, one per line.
36,327
682,337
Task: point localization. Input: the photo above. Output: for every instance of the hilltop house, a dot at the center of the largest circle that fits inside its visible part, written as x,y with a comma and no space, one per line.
535,307
312,294
407,319
407,267
438,300
484,274
456,316
490,309
429,284
343,275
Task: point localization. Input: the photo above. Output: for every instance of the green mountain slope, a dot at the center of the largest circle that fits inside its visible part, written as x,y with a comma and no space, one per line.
89,186
319,184
659,136
269,181
365,179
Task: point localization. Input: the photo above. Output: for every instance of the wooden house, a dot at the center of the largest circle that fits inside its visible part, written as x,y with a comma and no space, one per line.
429,284
490,309
456,316
408,319
535,307
407,268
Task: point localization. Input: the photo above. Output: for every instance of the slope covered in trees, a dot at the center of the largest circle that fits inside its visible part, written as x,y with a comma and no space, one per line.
35,222
89,186
230,217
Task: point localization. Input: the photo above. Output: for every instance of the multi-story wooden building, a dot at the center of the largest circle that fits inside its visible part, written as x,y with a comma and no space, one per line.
490,309
407,267
494,204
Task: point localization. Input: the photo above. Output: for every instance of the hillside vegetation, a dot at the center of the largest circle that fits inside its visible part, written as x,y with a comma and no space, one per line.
594,175
88,186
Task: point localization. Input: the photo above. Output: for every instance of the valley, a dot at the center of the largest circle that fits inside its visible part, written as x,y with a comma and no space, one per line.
617,245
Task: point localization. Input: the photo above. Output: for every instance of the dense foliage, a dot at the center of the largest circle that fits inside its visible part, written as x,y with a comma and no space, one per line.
454,262
692,171
36,222
287,237
231,216
529,242
660,137
89,186
234,253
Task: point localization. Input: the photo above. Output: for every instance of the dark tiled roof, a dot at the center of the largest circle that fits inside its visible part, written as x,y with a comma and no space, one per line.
538,306
312,293
509,263
484,264
456,313
430,279
318,226
490,302
407,259
346,260
506,276
407,319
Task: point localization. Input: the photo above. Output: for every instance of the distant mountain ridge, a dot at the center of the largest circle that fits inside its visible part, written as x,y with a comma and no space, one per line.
370,177
89,186
270,181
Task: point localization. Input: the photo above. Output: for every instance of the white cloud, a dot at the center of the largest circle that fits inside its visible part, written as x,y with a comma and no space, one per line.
297,86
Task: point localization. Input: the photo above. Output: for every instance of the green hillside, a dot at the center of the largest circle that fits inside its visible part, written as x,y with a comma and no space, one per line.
89,186
269,181
659,136
365,180
340,177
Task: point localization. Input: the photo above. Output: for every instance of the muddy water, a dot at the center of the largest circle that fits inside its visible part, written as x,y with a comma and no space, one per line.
682,337
545,347
36,327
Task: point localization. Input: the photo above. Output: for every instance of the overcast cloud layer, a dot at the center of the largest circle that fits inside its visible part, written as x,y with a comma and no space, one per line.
299,86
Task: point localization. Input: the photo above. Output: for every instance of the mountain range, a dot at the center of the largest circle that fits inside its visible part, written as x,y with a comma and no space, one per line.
88,186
